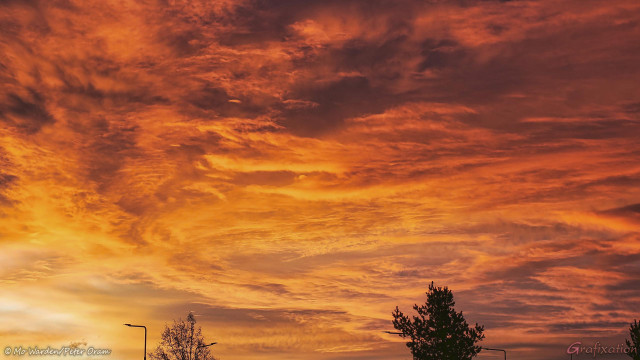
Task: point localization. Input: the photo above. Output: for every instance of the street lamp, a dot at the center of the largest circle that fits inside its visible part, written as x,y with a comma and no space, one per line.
202,346
145,337
505,351
392,332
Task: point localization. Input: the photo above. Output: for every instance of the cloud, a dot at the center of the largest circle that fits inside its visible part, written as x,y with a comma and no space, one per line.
294,170
28,114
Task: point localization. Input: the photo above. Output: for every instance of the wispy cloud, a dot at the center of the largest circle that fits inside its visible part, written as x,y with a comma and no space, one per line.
291,171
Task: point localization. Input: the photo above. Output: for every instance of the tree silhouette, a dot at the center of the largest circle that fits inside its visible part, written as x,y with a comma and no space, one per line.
182,341
438,332
634,343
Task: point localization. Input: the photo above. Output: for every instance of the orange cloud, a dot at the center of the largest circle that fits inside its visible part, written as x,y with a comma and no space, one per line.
291,171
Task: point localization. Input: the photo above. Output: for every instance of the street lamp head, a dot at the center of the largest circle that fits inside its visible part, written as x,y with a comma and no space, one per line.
132,325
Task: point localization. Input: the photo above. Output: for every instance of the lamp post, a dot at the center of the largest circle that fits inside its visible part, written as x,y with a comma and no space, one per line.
505,351
202,346
392,332
145,337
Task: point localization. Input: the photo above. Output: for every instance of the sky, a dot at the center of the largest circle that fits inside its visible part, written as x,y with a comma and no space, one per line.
292,170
